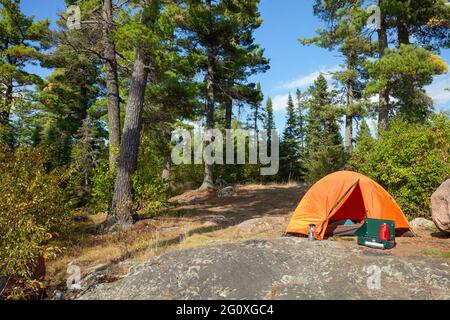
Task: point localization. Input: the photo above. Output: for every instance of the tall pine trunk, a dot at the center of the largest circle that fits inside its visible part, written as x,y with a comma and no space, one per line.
383,112
208,180
5,111
407,83
348,143
122,211
348,140
112,85
402,30
6,135
256,115
166,170
228,122
228,112
167,156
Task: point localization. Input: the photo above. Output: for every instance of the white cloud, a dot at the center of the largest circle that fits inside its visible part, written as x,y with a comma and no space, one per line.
307,80
280,102
437,90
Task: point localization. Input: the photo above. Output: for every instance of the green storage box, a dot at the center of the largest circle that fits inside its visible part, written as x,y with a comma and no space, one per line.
369,234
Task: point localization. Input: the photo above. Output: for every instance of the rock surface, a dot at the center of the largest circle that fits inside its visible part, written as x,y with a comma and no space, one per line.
440,207
284,268
421,223
262,224
226,192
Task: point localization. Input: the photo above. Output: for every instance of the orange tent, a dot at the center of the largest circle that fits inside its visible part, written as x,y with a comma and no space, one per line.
344,195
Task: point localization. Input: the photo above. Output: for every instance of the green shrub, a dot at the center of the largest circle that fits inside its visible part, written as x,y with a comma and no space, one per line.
409,160
102,187
151,193
149,190
33,210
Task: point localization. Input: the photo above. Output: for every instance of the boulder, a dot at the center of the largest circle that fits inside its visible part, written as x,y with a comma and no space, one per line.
421,223
226,192
283,268
262,225
440,207
220,183
93,275
210,224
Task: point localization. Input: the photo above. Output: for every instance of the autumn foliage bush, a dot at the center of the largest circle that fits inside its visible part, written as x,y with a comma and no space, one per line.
33,210
410,160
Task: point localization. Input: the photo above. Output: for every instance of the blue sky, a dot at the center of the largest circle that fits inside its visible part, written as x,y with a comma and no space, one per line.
292,65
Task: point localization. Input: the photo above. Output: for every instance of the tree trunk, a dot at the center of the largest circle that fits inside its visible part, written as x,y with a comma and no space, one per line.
6,136
228,112
383,113
112,85
402,30
9,96
166,170
348,143
348,133
122,211
167,160
407,83
83,113
208,180
255,125
5,111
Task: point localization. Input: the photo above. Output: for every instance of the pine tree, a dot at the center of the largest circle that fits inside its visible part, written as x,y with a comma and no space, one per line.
122,211
201,19
98,36
407,71
409,21
325,152
112,82
289,148
256,114
425,22
346,31
221,33
384,89
241,58
301,122
67,96
405,23
173,96
269,122
363,134
364,145
22,41
85,154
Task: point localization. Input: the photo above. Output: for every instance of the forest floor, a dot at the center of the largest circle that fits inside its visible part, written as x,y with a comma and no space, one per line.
202,219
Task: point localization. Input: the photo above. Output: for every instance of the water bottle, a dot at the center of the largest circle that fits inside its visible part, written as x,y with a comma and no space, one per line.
312,230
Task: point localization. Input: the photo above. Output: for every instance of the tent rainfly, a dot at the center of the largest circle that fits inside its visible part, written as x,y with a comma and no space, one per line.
345,195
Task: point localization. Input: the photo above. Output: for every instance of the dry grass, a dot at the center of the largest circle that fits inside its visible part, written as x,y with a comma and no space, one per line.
87,250
260,186
432,252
